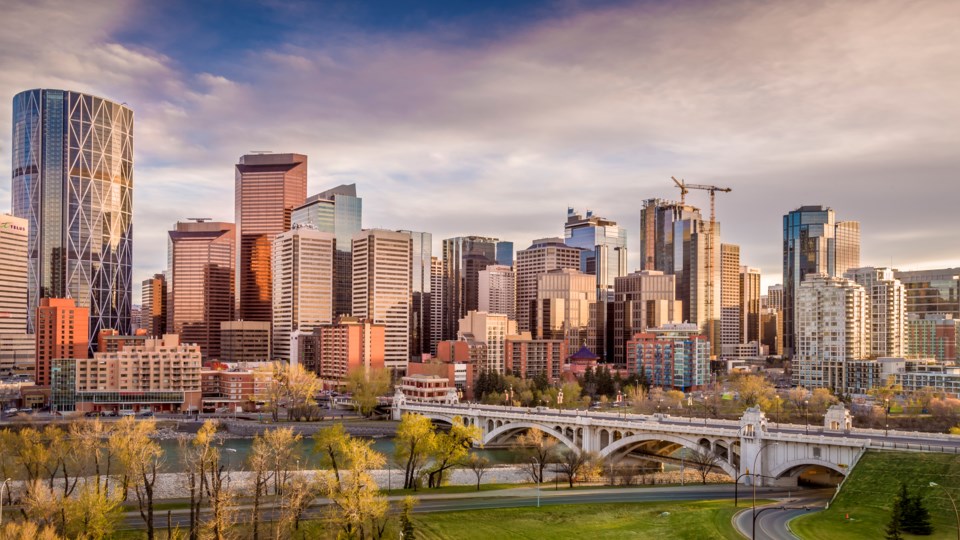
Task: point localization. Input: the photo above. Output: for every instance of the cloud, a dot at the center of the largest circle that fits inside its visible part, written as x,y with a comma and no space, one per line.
850,105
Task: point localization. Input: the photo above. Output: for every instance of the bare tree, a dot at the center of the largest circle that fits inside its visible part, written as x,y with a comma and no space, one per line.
479,465
704,461
571,463
538,450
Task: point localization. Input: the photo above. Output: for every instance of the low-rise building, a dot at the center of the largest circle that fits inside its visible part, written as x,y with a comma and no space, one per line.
234,388
910,373
426,389
461,373
333,350
673,356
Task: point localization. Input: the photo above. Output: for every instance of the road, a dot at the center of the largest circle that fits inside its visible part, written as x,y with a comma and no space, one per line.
507,498
772,524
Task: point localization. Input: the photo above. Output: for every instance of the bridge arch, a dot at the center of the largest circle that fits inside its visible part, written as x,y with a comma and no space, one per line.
517,426
627,443
783,468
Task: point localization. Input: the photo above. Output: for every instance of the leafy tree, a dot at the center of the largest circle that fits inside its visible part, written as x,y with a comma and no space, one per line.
754,390
92,513
357,507
262,473
28,530
140,458
478,465
331,444
413,444
450,448
367,386
282,454
406,524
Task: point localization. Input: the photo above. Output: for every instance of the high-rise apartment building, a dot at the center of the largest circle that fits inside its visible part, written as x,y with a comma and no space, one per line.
492,330
61,333
932,292
73,183
421,287
751,326
381,289
542,256
245,341
13,275
813,243
887,310
200,286
268,188
338,211
498,291
527,358
832,329
153,306
933,336
730,312
565,299
604,255
642,300
303,267
436,303
674,356
674,240
463,259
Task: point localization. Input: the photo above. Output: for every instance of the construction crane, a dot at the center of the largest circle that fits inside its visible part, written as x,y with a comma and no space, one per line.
711,225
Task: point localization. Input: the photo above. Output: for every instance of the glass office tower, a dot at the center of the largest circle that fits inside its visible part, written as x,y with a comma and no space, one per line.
72,181
463,259
337,211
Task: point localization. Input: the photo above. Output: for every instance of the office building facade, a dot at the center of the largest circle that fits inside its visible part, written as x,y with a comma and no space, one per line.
436,303
492,330
751,328
932,292
382,289
498,291
730,311
303,268
422,292
73,183
565,300
201,256
542,256
14,277
245,342
61,333
153,306
642,300
814,242
268,187
463,259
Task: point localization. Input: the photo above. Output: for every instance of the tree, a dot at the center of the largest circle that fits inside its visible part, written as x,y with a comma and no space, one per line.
406,524
413,444
331,444
302,386
894,530
356,503
704,461
538,450
821,399
262,472
282,451
200,459
450,448
92,513
571,463
28,530
295,500
754,390
367,386
140,457
915,517
479,465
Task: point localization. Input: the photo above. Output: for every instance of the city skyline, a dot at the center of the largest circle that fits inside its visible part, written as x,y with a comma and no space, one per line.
453,122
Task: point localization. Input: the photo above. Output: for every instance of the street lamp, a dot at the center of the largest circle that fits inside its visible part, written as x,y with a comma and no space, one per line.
536,462
886,416
806,421
953,502
754,536
1,499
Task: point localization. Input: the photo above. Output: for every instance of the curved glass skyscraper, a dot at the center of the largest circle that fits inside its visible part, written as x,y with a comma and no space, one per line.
73,182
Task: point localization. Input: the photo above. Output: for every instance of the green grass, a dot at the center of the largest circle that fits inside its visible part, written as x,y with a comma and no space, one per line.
686,520
867,496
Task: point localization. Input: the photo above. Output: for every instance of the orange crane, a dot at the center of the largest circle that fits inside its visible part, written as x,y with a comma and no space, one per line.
684,189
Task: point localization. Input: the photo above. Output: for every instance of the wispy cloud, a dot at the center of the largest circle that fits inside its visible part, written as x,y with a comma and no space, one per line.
847,104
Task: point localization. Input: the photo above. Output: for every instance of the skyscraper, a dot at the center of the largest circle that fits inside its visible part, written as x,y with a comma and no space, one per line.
774,297
813,243
302,286
674,240
565,299
492,330
604,255
73,183
730,313
61,333
421,286
832,329
642,300
381,289
153,308
13,275
932,293
201,256
542,256
751,325
338,211
268,188
463,259
498,291
886,310
436,303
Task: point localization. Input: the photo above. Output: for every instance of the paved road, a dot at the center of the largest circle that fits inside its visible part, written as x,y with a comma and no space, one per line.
508,498
772,524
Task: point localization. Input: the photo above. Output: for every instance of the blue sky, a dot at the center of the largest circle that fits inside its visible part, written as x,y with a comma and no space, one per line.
492,117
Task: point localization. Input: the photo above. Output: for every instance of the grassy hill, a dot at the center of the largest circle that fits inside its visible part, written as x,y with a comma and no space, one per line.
867,497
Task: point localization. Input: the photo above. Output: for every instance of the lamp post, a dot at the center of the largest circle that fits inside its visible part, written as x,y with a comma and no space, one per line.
4,485
953,502
536,462
886,417
806,421
753,531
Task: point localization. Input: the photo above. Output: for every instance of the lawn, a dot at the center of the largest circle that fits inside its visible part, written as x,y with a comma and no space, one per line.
679,520
867,497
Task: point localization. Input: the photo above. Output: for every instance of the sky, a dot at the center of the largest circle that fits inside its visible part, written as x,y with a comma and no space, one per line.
491,118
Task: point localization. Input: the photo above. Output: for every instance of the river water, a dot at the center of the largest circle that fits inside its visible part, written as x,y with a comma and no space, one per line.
236,451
